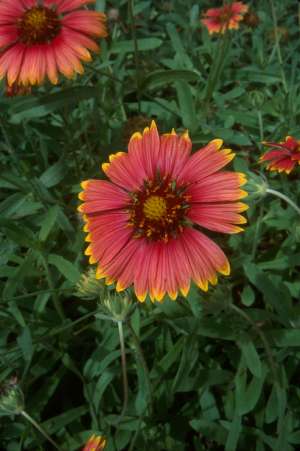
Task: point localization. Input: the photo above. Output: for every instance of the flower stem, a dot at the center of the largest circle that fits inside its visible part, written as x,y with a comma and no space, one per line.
144,364
283,197
257,230
124,370
217,65
56,301
136,51
39,428
277,45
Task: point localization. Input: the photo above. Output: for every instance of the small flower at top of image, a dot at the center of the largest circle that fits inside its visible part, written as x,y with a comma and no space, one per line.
40,39
227,17
145,224
283,156
95,443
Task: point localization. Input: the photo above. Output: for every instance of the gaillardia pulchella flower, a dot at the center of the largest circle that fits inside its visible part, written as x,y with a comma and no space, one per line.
95,443
283,156
145,224
40,38
227,17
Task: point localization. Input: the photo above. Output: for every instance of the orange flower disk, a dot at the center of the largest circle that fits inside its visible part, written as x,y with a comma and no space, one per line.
95,443
144,224
43,38
283,156
218,20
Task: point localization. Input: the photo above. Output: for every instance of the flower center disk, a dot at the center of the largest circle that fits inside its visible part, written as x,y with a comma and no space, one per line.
158,210
39,25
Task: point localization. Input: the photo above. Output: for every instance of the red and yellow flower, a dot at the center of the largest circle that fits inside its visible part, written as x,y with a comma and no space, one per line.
41,38
218,20
95,443
145,224
283,156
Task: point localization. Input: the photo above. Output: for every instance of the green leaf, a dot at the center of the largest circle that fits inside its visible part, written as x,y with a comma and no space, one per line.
166,77
48,222
37,107
251,356
54,174
248,295
143,44
66,268
234,433
186,105
25,342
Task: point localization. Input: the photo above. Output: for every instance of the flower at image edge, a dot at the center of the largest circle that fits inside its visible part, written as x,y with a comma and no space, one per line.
39,39
95,443
283,156
144,223
218,20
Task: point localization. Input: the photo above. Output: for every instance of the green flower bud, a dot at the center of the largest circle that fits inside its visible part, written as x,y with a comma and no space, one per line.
117,305
256,186
88,286
257,98
11,398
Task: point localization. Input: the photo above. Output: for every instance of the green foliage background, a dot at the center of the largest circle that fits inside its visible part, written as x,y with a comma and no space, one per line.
221,369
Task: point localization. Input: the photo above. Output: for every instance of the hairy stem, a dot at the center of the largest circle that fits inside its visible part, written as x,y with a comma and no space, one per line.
144,364
39,428
283,197
124,370
277,45
136,51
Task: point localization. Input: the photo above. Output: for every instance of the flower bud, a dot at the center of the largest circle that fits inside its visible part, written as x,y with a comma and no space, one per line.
118,305
88,286
95,443
256,185
11,398
257,98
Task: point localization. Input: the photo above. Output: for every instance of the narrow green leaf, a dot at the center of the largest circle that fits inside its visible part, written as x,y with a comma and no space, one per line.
67,269
251,356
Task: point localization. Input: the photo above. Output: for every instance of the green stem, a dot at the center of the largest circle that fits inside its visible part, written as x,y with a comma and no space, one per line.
274,17
136,51
260,125
283,197
39,428
262,337
56,302
124,370
144,364
217,65
257,229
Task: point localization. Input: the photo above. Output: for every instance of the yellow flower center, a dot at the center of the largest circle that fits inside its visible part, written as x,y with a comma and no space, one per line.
38,25
158,210
155,208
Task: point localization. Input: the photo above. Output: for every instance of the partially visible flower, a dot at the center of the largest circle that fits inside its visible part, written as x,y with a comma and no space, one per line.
17,90
218,20
145,225
43,38
283,156
11,398
95,443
